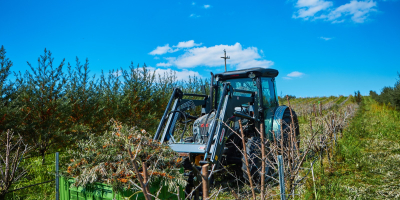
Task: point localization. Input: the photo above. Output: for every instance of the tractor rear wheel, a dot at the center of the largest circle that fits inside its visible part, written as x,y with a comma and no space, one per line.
286,123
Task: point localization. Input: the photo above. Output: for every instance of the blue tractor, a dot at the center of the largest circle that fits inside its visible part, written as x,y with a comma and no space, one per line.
246,96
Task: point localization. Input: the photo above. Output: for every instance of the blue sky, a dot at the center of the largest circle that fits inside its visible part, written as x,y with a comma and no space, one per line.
320,47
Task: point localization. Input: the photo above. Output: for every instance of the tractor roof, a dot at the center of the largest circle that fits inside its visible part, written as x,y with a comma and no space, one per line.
244,73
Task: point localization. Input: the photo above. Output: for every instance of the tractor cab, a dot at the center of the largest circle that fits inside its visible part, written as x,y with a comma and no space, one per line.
261,81
247,80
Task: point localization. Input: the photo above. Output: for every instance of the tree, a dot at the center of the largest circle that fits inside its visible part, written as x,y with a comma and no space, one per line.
5,65
396,94
386,95
358,97
138,95
8,108
389,95
45,104
84,100
373,95
109,99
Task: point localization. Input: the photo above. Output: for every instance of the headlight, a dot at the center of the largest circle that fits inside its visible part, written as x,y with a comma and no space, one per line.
217,78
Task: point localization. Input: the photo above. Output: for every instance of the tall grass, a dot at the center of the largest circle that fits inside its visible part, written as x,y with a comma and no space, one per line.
37,172
367,159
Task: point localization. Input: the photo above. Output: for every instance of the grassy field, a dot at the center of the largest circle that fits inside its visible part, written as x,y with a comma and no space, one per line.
366,161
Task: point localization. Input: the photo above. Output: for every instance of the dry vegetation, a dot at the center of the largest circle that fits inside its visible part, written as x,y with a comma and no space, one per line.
321,126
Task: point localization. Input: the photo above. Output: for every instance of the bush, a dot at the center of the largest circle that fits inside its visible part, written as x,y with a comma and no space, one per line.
389,95
284,98
373,95
396,94
55,105
106,159
357,97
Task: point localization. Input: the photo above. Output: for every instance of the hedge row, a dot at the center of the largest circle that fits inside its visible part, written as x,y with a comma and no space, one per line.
389,95
54,105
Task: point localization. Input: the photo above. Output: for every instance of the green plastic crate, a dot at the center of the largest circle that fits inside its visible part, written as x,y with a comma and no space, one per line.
100,191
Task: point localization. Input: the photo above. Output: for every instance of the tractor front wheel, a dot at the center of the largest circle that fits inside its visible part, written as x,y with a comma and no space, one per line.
253,151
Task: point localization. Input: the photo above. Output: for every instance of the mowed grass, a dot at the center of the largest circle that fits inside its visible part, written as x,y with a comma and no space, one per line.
367,158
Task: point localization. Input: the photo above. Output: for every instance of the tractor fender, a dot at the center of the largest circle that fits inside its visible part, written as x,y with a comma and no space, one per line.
276,125
275,118
278,119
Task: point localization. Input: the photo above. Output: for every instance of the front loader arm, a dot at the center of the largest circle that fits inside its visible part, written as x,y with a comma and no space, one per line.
172,114
217,133
226,112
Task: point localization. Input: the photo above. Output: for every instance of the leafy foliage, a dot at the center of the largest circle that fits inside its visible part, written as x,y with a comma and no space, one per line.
389,95
5,65
357,97
284,98
44,103
106,159
55,105
8,95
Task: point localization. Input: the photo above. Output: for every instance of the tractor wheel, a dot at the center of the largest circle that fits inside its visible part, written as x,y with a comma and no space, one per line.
253,151
286,122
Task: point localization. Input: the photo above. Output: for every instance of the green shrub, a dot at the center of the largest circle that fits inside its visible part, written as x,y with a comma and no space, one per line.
389,95
358,97
111,159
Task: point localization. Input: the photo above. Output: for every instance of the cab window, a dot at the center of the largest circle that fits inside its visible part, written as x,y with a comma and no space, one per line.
250,85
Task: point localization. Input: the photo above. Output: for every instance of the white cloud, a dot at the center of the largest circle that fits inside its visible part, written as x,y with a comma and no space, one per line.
308,8
337,21
162,50
325,38
180,75
357,11
194,15
211,56
207,6
156,58
187,44
163,64
295,74
117,73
